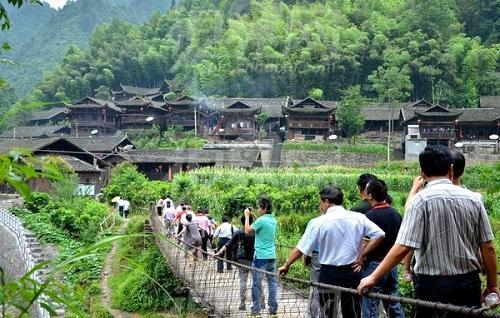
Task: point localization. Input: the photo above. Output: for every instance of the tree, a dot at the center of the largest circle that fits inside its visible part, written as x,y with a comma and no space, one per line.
349,116
4,18
102,92
316,93
392,83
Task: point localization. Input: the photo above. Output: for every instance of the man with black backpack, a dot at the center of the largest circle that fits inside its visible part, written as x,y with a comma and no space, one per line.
243,245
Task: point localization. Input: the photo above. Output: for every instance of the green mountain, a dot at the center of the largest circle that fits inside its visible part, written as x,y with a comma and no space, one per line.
40,35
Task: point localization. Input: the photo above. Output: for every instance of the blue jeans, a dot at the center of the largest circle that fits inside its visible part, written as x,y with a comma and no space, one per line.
268,265
387,285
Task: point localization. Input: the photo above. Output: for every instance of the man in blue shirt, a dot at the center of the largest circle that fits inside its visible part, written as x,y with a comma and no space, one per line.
265,255
339,235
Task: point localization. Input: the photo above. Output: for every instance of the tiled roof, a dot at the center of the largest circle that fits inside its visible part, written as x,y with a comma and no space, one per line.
91,102
226,157
7,145
380,113
33,131
140,91
47,114
100,144
271,106
489,101
479,114
140,102
77,164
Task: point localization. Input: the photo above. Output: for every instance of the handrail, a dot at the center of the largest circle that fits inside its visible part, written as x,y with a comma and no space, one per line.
206,284
12,223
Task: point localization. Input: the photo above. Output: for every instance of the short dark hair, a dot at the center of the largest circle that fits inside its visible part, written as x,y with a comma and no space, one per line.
205,211
250,219
377,189
458,163
333,194
364,179
225,219
189,217
265,204
435,161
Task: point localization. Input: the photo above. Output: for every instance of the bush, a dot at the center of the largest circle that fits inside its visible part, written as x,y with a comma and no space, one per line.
37,201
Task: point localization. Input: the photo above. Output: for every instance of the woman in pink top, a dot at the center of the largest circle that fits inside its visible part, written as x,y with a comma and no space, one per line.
204,226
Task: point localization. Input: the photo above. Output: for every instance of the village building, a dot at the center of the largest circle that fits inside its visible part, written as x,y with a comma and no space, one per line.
91,115
310,119
271,107
436,124
35,132
163,164
103,146
156,93
48,117
188,114
141,113
92,171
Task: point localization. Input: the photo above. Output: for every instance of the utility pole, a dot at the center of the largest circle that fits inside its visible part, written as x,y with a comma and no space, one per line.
195,122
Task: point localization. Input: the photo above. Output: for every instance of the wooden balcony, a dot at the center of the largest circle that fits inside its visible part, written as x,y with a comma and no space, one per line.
438,134
94,123
238,131
308,124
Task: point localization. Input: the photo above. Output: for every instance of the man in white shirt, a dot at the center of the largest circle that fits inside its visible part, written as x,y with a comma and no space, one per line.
339,236
224,232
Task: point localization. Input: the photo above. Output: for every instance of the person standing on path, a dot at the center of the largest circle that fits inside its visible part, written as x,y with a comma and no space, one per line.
389,220
224,233
339,234
448,228
265,255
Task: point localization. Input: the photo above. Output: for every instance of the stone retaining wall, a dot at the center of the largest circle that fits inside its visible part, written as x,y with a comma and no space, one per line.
306,158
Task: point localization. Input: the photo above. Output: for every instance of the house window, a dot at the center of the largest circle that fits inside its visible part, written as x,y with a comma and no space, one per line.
87,180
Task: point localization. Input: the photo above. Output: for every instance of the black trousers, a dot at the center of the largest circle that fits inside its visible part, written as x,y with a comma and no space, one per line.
228,255
461,290
204,243
341,276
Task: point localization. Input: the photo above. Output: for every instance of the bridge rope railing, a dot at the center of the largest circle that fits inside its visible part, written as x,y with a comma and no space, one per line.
220,292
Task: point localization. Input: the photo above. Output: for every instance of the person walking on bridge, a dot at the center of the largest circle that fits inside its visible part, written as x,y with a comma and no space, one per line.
265,255
339,235
447,226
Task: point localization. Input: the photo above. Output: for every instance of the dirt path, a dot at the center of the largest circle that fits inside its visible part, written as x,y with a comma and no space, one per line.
106,273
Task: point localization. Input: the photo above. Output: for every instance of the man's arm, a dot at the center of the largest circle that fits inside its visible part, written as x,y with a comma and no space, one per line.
295,255
395,255
368,247
248,228
418,183
490,266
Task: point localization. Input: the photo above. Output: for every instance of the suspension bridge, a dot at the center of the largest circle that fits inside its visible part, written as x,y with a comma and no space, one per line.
219,293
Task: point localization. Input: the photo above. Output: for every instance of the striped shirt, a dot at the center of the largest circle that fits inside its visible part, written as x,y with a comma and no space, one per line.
445,224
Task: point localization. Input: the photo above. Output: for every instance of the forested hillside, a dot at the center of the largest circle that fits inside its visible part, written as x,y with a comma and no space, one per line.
40,35
394,49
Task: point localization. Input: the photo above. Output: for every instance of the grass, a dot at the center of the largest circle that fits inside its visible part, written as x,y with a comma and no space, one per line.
361,148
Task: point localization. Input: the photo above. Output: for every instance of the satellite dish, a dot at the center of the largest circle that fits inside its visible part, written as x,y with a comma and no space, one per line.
94,132
150,118
221,129
332,137
493,137
459,145
128,147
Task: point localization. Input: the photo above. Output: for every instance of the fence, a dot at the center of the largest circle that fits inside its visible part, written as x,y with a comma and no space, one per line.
220,293
16,227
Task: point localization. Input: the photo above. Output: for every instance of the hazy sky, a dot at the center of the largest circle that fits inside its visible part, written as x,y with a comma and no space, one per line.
56,3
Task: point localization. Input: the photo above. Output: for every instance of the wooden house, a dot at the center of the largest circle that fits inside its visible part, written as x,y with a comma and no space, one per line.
310,119
91,114
48,117
187,113
141,113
